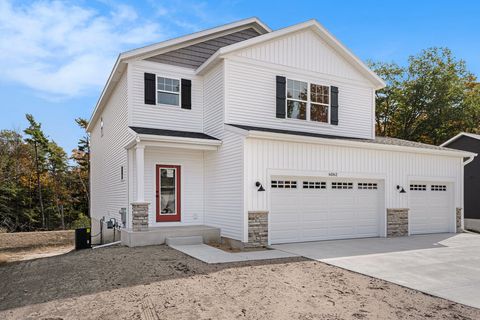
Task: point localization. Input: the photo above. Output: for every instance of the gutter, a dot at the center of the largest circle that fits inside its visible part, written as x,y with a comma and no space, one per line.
470,159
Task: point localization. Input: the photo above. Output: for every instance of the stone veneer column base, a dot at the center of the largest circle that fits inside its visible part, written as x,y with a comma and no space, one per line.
140,216
458,219
257,229
397,222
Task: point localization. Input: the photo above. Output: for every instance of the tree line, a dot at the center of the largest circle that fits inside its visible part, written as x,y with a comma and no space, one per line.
429,100
41,187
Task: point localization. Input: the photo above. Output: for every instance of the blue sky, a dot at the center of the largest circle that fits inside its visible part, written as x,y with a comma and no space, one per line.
56,56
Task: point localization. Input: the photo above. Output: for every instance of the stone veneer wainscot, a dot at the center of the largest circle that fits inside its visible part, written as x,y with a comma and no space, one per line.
397,222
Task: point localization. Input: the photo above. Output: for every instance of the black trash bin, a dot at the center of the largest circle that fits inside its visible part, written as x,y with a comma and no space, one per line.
82,238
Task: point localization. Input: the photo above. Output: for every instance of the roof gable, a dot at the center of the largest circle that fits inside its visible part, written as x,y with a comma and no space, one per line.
305,50
166,46
460,135
312,25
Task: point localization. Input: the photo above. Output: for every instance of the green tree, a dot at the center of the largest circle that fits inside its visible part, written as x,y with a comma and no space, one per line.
40,146
81,155
430,100
57,165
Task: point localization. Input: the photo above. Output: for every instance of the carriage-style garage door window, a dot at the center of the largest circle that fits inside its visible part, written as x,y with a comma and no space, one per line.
168,193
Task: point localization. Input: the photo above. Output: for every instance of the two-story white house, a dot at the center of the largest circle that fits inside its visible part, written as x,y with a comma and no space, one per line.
267,136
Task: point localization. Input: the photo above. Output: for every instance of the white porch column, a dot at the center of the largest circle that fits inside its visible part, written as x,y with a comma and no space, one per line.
140,163
139,206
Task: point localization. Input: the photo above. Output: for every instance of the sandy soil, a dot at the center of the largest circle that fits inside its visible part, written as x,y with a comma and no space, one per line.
160,283
21,246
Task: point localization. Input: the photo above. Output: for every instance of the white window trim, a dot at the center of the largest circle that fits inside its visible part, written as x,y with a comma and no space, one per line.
165,91
308,102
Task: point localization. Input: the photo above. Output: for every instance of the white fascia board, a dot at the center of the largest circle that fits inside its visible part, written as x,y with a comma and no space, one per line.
466,134
173,142
312,24
183,41
355,144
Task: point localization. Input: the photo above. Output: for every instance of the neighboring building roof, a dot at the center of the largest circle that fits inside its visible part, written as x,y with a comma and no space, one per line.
310,24
172,133
378,140
461,134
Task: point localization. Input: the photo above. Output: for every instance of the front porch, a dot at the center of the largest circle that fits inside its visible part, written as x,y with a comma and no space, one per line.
166,187
158,235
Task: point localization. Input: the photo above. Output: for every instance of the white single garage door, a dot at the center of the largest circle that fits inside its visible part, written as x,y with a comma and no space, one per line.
431,207
311,209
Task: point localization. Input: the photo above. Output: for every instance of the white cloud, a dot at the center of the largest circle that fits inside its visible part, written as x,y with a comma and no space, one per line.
62,50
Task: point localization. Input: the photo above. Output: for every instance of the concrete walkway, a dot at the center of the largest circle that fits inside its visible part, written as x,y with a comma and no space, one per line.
444,265
210,254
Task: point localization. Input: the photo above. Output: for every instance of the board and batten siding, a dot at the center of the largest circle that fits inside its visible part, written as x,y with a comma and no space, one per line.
108,155
192,183
264,158
303,50
224,201
251,100
165,116
214,101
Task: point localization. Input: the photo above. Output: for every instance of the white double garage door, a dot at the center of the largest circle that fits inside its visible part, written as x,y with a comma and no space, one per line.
312,209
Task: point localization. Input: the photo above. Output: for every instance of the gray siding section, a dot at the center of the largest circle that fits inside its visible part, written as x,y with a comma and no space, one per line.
193,56
471,180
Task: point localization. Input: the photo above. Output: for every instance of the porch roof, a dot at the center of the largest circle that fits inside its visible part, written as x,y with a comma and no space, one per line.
172,133
172,138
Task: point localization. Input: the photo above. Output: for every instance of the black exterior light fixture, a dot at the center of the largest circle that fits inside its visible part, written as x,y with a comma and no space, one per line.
259,186
400,189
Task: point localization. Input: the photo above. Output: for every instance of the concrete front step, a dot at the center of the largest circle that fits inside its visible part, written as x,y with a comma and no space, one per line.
180,241
158,235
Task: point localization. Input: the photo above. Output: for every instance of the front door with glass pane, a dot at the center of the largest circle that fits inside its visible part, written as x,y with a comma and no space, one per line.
168,193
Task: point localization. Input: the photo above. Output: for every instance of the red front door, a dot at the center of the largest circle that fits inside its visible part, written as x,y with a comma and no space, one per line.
168,193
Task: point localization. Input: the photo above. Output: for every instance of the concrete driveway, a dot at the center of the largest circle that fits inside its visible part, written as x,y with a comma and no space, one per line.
444,265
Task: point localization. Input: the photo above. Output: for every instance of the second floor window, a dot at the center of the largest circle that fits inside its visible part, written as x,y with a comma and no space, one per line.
168,91
307,101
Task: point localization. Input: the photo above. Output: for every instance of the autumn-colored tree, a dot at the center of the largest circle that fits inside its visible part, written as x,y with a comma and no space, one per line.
40,145
430,100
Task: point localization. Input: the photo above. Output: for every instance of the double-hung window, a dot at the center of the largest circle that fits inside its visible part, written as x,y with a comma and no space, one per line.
307,101
168,91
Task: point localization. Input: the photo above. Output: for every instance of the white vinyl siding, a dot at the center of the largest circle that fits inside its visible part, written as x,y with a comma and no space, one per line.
251,100
263,158
214,101
224,201
108,156
165,116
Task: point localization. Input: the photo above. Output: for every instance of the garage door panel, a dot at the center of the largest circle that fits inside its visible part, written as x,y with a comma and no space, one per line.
311,214
431,210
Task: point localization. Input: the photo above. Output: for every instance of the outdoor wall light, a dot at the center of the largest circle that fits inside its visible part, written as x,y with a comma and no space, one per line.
401,190
259,186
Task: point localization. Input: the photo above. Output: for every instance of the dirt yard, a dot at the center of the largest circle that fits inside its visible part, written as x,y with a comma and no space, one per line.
158,282
32,245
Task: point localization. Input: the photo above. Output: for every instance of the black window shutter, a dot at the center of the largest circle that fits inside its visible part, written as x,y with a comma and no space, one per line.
281,96
186,94
334,106
150,92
